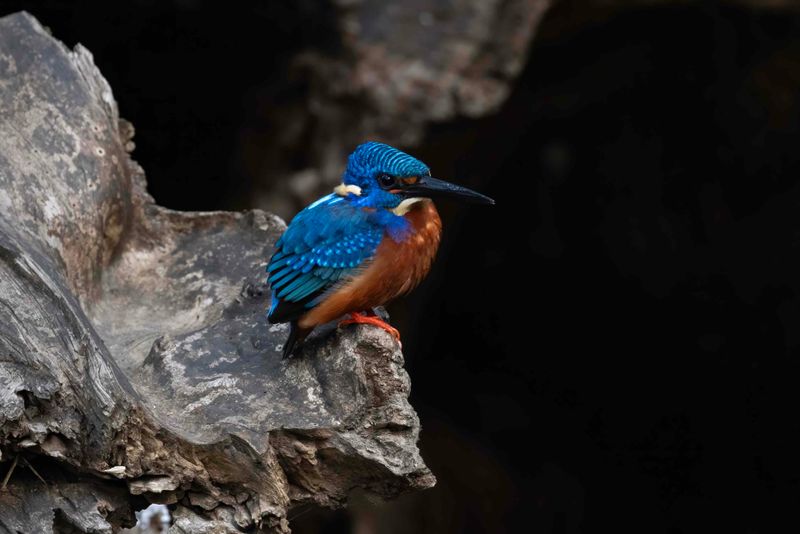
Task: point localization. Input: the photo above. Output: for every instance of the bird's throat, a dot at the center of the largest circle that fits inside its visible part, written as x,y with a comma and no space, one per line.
404,206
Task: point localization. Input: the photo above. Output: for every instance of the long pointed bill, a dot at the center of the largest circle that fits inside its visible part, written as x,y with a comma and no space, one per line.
431,187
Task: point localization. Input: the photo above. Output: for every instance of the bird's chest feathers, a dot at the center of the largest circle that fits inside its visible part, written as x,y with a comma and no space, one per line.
397,267
406,261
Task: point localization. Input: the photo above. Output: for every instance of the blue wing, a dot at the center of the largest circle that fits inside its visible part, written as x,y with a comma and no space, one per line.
325,243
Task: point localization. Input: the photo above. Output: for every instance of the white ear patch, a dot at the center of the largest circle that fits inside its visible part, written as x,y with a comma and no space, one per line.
402,208
342,190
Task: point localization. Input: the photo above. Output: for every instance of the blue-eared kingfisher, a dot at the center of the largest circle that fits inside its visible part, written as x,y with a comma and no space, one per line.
374,238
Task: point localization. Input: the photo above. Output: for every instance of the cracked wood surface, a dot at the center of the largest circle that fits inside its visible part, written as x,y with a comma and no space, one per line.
135,360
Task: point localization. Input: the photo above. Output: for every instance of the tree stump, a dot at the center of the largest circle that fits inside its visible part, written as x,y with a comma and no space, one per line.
136,364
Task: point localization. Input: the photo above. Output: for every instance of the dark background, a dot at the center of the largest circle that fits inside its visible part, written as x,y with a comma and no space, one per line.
614,347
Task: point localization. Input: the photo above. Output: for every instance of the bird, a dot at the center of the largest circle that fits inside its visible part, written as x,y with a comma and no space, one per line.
371,240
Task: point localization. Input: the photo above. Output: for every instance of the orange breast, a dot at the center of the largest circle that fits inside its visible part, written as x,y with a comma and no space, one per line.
396,269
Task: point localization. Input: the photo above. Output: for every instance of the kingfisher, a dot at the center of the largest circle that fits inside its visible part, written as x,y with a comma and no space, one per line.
371,240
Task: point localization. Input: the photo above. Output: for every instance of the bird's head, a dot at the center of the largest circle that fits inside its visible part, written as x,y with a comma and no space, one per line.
380,176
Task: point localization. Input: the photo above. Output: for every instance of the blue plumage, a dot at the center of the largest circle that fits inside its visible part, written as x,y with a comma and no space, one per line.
371,158
325,243
334,239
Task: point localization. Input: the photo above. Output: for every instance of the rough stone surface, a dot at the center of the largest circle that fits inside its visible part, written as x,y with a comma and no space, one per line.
134,354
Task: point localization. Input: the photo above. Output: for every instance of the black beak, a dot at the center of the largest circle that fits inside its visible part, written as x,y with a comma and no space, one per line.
431,188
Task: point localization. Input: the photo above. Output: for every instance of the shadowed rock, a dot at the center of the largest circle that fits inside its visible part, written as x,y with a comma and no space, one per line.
135,359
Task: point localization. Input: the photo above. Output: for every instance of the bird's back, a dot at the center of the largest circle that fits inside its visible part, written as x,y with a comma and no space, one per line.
325,244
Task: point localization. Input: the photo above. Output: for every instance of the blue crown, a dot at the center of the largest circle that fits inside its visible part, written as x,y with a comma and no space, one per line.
371,158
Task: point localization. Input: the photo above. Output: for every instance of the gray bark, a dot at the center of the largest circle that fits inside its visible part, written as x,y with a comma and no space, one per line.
135,360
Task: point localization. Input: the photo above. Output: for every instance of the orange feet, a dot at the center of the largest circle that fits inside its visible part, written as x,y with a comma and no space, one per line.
360,318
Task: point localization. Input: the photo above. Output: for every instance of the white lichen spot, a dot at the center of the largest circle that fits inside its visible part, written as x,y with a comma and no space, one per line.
194,337
5,201
222,360
208,399
280,327
313,396
51,209
194,275
222,381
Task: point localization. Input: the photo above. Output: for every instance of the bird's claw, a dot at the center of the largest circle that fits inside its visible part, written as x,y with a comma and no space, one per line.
359,318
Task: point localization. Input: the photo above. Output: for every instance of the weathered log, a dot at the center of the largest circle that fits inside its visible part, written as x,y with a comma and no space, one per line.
135,361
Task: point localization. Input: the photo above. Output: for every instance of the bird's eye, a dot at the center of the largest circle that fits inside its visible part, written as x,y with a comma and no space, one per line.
386,180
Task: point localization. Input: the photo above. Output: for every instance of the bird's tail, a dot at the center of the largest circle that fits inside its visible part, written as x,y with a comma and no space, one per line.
295,339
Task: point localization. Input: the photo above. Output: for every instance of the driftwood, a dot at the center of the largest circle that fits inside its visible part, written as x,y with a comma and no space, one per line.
136,365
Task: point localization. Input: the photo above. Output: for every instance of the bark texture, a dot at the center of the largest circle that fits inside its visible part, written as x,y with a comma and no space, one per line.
136,365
